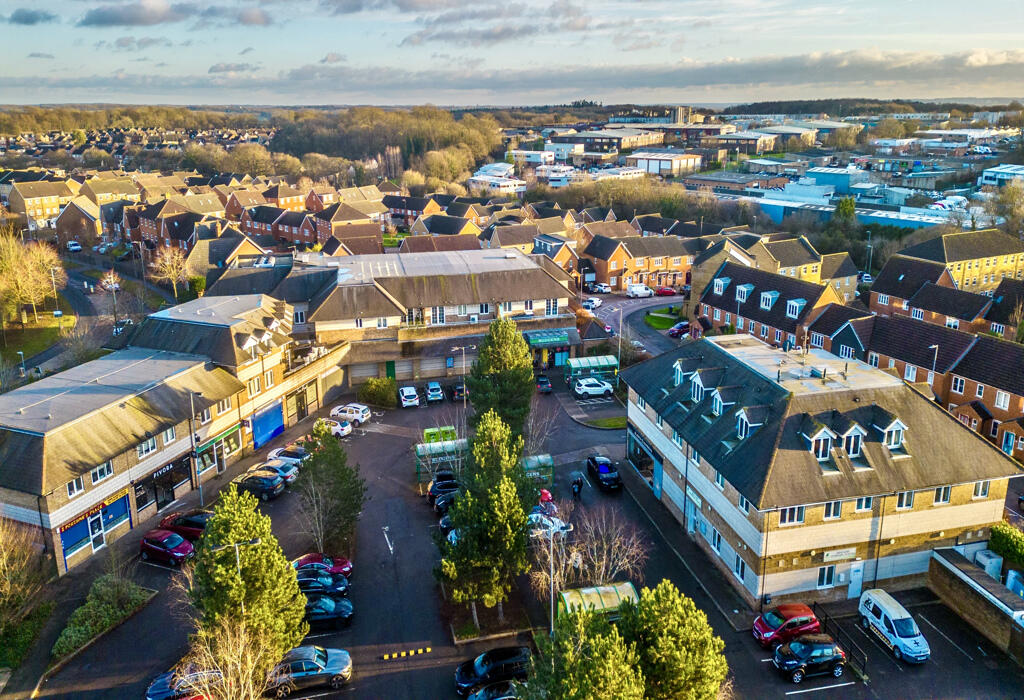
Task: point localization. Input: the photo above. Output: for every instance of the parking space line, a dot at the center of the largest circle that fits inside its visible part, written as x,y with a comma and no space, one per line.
766,660
163,567
824,687
885,652
955,646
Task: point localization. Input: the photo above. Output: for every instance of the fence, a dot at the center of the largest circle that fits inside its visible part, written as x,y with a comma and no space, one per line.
855,656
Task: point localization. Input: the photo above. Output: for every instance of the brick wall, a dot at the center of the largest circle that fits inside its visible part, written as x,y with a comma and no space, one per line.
970,605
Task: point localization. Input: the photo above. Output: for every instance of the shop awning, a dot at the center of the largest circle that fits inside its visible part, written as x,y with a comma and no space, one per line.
552,337
595,363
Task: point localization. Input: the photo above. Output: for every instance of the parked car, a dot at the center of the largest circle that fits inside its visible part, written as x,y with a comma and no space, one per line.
323,562
591,386
324,611
354,413
182,684
883,615
445,525
322,581
499,664
604,473
434,392
189,524
865,278
665,292
587,305
444,502
679,330
295,454
74,247
592,303
601,288
262,484
609,330
408,397
638,346
784,623
121,325
307,667
436,488
543,384
639,291
459,392
502,690
338,428
810,655
544,526
165,546
285,470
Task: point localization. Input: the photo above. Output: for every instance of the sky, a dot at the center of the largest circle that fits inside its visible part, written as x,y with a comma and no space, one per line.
505,52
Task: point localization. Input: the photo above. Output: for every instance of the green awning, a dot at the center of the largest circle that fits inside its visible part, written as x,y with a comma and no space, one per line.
551,338
592,363
223,435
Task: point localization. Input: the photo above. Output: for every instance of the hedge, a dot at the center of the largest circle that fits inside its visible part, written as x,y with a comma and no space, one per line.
1008,542
379,391
111,599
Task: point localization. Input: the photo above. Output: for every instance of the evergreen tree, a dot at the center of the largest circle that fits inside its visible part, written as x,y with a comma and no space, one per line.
502,376
679,654
266,594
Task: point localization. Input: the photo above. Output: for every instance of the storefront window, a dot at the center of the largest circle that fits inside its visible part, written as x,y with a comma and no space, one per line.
642,456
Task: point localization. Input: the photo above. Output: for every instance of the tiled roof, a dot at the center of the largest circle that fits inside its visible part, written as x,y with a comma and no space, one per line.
793,252
966,245
910,340
788,289
902,276
995,363
836,265
950,302
1006,299
833,318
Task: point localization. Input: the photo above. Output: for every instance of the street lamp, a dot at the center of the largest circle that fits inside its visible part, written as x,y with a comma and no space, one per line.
142,260
935,358
238,564
464,348
53,278
551,574
192,434
22,356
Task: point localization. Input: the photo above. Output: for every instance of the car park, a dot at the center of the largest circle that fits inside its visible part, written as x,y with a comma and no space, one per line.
354,413
338,428
639,291
665,292
326,612
323,562
184,684
499,664
262,484
292,453
408,397
810,655
434,392
882,615
437,488
679,330
189,524
592,303
286,470
459,392
591,386
444,502
543,384
604,473
322,581
307,667
784,623
165,546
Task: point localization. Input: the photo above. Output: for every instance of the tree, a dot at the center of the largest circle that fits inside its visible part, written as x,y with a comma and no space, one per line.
331,492
679,654
112,281
587,659
241,652
260,588
169,265
845,216
250,158
21,570
25,272
502,376
888,128
1006,207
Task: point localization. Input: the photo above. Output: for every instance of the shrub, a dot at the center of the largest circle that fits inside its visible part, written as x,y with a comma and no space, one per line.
379,391
196,286
1008,542
110,600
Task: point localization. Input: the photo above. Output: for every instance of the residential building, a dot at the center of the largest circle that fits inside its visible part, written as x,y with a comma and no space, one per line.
403,210
804,476
37,204
434,244
104,191
285,196
240,200
443,225
839,270
1007,310
900,279
518,236
654,225
951,308
977,260
260,220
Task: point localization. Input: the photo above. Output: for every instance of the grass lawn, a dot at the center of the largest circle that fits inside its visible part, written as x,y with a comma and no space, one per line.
617,422
660,322
151,299
16,639
36,337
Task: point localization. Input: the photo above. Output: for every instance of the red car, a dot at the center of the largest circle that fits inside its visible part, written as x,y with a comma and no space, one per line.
317,560
679,330
785,623
165,546
189,524
665,292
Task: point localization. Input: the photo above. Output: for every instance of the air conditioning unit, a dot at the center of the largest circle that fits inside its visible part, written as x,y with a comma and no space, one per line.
991,562
474,318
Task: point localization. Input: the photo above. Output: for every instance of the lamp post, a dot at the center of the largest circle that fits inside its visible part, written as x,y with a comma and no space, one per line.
238,564
142,260
935,358
551,574
464,348
871,251
22,356
53,278
192,434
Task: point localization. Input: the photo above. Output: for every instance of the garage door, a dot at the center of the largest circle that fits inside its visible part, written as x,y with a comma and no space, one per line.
403,369
432,367
360,373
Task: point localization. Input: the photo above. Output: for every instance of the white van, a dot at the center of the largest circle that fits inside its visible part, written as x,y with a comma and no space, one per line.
892,624
639,291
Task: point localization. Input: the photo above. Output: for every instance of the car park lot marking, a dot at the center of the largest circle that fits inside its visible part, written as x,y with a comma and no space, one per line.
404,654
157,565
591,402
886,651
944,636
824,687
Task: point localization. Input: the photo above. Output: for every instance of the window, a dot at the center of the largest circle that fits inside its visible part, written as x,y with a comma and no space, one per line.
821,448
527,305
917,314
268,378
506,306
767,299
739,323
697,393
952,322
941,496
203,417
764,330
716,540
75,487
382,322
846,352
613,265
719,286
485,308
641,404
145,448
639,262
716,405
461,311
718,315
677,440
742,428
894,438
550,307
864,503
741,292
817,340
905,500
299,317
255,386
997,328
1002,400
437,315
793,307
791,516
958,385
833,510
744,504
827,576
101,472
873,359
168,436
883,299
719,479
980,391
359,323
224,405
995,428
981,489
739,567
657,419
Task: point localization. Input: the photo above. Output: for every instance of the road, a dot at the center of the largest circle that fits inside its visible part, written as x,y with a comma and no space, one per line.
83,308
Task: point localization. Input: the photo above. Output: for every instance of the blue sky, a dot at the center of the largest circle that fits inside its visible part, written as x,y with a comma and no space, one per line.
492,52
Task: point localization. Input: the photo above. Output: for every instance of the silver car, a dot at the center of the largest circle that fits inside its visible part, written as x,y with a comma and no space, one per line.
310,666
286,470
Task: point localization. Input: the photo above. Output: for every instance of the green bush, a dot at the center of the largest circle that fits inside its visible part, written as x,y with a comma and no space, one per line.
110,600
196,286
17,637
379,391
1008,542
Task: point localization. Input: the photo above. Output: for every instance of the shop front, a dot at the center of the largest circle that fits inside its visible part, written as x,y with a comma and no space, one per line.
267,422
214,452
88,532
158,488
303,401
644,458
552,347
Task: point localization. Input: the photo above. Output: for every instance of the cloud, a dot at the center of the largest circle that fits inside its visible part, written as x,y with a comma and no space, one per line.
345,7
247,49
143,13
130,43
489,24
333,58
37,54
233,68
27,16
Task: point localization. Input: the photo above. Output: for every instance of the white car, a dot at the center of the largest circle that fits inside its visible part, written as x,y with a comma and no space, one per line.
638,346
544,526
354,413
292,454
591,303
408,397
338,428
602,288
589,386
74,247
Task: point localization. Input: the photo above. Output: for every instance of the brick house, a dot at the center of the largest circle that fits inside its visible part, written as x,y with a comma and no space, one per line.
38,203
320,197
1007,310
240,200
338,215
654,225
900,279
403,211
838,270
260,220
953,308
294,227
443,225
977,260
109,190
285,196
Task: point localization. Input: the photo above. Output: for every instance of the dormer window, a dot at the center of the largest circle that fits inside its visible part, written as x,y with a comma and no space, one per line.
742,428
678,375
697,392
716,405
821,446
894,438
768,299
852,444
794,307
743,291
720,284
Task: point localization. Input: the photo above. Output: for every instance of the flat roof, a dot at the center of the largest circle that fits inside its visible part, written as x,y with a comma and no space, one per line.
61,398
363,269
212,311
800,372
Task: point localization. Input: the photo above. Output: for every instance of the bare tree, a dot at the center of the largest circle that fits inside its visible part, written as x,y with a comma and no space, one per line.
315,510
228,660
21,569
111,281
81,343
170,266
539,425
1006,207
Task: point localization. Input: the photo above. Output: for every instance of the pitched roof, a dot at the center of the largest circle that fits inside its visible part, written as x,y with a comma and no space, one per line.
511,234
1006,298
788,289
444,225
265,213
248,198
994,362
424,244
281,190
966,245
656,223
602,247
836,265
950,302
610,229
393,201
902,276
793,252
833,318
910,340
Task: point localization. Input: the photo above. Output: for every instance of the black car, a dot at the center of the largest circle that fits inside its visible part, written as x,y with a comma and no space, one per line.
500,664
308,666
437,488
810,655
262,484
444,502
543,384
604,473
459,392
324,611
320,581
445,524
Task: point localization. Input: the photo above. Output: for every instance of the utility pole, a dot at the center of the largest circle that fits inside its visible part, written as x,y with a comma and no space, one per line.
871,251
53,278
192,435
